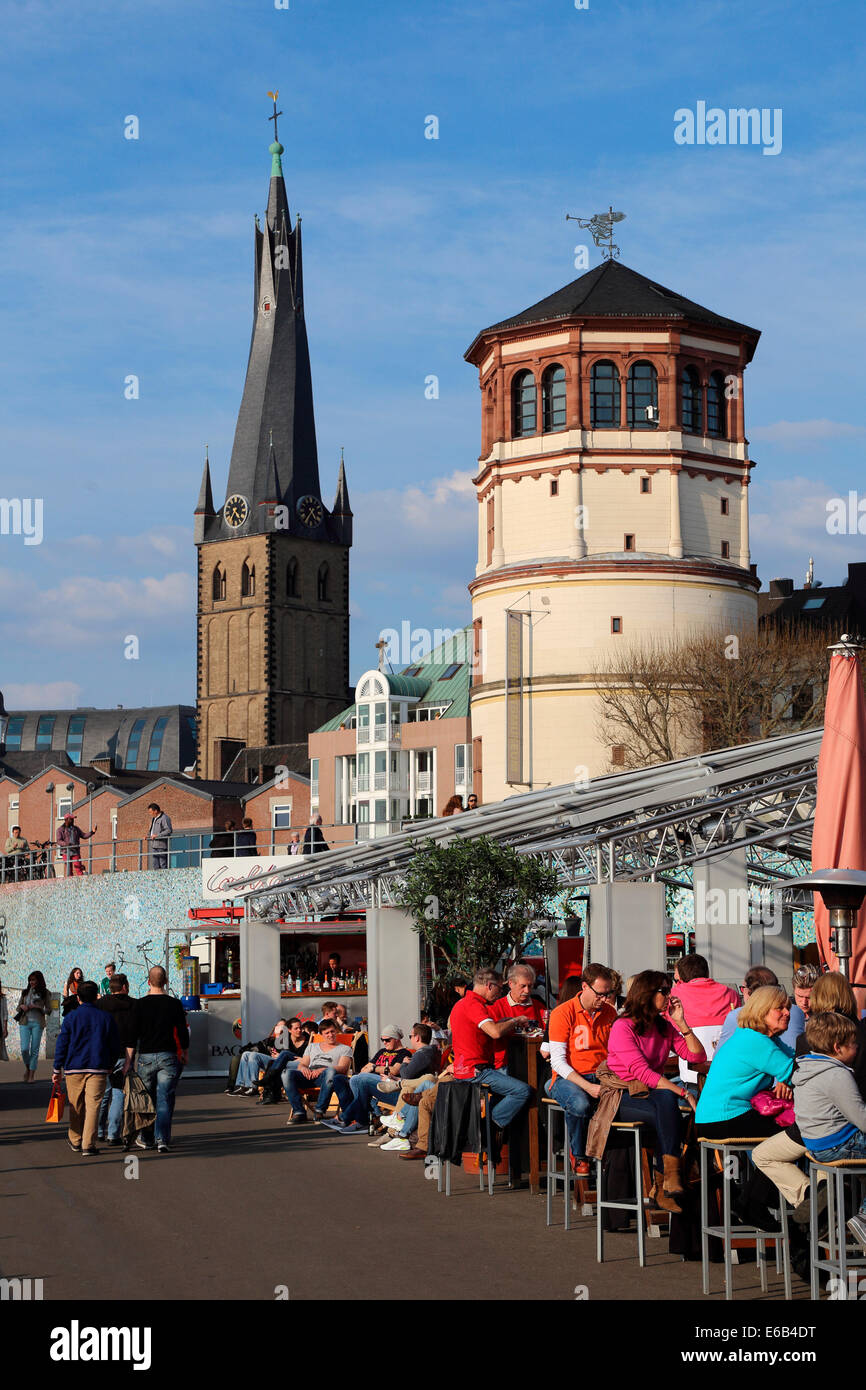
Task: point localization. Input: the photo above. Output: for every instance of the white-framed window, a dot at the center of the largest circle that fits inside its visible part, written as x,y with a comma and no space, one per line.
314,779
363,812
281,815
462,765
64,806
380,811
114,823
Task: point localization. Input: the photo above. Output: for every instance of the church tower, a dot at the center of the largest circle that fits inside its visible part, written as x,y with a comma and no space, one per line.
612,494
273,562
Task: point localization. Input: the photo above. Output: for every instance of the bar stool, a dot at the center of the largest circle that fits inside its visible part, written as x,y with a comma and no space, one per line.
729,1233
554,1174
602,1204
486,1147
839,1259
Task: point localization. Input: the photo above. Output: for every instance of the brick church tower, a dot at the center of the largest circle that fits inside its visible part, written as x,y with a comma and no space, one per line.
273,562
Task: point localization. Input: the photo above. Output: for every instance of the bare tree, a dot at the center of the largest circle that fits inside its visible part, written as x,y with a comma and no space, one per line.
668,698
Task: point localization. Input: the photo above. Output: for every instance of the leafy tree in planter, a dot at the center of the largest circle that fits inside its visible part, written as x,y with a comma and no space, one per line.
475,899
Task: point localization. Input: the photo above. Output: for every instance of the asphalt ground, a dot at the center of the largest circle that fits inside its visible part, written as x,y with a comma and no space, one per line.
244,1204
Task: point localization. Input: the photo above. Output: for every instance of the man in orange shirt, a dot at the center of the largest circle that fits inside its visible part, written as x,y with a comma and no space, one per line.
578,1033
517,1002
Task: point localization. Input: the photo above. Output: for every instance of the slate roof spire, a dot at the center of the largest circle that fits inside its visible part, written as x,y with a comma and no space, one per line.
275,438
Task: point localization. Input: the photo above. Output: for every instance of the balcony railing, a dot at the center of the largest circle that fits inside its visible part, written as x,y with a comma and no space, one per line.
364,734
182,850
423,781
363,781
380,733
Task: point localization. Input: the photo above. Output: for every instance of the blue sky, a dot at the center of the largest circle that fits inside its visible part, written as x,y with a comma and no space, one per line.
121,257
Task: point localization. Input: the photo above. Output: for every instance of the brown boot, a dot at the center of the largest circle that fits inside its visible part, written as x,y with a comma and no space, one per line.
665,1201
673,1173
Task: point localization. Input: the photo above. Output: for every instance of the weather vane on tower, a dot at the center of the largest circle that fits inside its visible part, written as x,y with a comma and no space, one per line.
273,96
601,226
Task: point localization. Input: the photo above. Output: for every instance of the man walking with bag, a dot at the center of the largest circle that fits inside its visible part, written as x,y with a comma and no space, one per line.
162,1037
86,1050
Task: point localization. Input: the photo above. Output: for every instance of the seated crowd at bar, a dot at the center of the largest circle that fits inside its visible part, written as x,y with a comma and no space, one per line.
790,1073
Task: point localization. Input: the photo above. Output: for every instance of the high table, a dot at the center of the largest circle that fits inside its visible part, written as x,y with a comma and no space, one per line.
524,1062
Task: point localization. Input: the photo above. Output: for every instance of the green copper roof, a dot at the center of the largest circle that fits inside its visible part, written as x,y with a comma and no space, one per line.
275,150
431,686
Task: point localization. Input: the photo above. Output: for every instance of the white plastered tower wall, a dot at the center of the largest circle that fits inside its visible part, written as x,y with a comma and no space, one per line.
578,526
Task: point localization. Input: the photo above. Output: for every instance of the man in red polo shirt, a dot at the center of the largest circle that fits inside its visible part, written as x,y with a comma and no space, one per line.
517,1002
474,1034
578,1033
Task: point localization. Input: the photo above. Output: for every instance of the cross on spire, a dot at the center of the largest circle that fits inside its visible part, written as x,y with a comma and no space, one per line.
273,96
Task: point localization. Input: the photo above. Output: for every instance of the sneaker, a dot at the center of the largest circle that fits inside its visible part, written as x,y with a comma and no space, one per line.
297,1117
394,1121
89,1153
857,1227
397,1145
163,1149
354,1128
114,1143
74,1147
335,1124
231,1091
100,1134
250,1091
318,1116
141,1143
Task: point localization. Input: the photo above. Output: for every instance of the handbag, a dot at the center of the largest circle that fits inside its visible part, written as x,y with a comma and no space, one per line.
56,1104
767,1104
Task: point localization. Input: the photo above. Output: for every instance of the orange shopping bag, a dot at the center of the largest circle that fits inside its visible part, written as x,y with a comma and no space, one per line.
54,1113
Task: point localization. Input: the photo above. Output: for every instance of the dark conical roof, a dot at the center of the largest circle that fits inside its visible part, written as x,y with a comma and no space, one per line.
274,446
613,290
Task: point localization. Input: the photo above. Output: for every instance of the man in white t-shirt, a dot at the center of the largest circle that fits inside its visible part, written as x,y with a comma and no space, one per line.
321,1063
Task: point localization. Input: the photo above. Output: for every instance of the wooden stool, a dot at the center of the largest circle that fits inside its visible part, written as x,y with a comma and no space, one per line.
839,1259
728,1233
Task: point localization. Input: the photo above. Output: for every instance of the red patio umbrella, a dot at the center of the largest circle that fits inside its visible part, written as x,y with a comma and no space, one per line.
839,834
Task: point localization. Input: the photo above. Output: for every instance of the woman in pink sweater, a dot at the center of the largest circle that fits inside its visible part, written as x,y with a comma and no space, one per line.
640,1043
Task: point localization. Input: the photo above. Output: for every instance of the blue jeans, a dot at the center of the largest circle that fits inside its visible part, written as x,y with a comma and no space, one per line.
661,1110
31,1038
855,1147
513,1094
364,1097
111,1108
295,1084
578,1107
248,1071
410,1124
160,1072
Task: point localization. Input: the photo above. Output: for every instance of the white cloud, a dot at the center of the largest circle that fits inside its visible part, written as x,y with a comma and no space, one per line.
45,695
788,524
82,611
804,434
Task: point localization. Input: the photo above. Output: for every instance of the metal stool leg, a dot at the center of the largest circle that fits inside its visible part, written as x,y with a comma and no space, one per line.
551,1177
638,1189
842,1229
705,1221
786,1248
599,1198
813,1235
491,1169
566,1169
726,1227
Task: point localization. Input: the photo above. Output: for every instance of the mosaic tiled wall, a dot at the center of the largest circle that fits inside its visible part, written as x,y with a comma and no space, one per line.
59,923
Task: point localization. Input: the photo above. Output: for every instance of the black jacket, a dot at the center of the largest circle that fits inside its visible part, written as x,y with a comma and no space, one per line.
120,1006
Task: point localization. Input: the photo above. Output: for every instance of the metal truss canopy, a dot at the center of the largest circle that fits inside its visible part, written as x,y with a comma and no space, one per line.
636,825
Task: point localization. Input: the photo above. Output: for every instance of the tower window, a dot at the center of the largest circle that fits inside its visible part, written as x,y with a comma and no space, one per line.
642,396
617,755
292,578
616,624
553,399
604,396
726,506
248,580
322,584
523,405
690,386
218,584
628,542
726,550
716,413
646,485
554,487
491,529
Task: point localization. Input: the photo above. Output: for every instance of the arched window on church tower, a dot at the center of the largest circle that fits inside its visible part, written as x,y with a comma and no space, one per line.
690,385
642,396
218,584
604,400
553,398
524,411
716,406
322,584
292,578
248,580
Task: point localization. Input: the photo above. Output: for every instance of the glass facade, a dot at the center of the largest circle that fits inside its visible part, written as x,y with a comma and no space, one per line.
132,745
155,748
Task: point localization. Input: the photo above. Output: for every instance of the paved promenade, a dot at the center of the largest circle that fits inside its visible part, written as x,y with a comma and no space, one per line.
245,1204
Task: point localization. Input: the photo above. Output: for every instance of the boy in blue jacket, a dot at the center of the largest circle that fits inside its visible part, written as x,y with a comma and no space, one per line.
828,1106
86,1050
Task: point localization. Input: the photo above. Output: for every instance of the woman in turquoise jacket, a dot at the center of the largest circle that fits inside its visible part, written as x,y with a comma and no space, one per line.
751,1060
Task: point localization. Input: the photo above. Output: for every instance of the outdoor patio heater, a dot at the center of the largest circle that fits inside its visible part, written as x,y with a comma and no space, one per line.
842,891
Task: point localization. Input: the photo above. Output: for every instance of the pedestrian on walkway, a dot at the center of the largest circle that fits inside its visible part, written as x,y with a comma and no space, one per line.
33,1009
86,1050
69,838
119,1006
159,835
70,990
162,1039
4,1025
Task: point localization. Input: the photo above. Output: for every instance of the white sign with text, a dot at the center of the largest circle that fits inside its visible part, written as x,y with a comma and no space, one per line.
223,878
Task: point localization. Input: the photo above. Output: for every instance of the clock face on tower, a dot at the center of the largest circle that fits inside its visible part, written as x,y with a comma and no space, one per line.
236,510
310,511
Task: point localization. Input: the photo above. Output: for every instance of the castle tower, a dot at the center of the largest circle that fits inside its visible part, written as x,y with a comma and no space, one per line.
273,562
612,507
